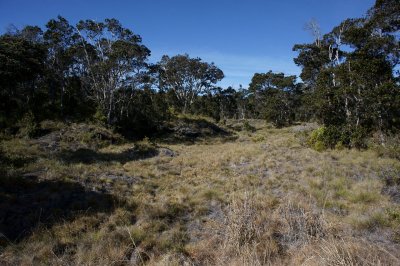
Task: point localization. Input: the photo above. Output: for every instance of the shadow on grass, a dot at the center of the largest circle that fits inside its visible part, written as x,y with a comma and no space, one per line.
15,162
89,156
188,131
26,203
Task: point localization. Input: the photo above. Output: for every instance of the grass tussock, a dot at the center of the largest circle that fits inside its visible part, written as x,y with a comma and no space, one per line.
348,251
260,198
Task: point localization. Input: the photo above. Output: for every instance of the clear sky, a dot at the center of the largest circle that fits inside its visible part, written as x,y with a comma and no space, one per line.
241,37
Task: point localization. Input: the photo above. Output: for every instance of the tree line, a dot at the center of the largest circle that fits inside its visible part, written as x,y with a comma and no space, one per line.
100,71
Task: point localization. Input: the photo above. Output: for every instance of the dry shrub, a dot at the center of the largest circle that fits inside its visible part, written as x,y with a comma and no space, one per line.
241,227
243,236
256,232
247,239
299,223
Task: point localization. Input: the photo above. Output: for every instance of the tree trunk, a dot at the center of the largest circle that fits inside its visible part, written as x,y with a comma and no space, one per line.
184,107
110,108
62,100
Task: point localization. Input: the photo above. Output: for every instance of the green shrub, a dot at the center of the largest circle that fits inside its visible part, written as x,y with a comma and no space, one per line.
319,146
28,126
323,138
145,148
358,137
172,112
248,127
100,117
339,146
335,137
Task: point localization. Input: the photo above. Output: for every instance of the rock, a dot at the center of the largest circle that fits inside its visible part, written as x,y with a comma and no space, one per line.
34,175
187,132
167,152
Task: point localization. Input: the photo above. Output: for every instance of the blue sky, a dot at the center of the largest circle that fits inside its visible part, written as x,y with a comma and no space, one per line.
241,37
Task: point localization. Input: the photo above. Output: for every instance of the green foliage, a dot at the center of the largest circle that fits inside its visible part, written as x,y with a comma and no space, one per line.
145,148
28,126
358,137
316,139
99,116
99,70
248,127
187,77
116,67
275,96
337,137
21,64
355,91
387,145
172,111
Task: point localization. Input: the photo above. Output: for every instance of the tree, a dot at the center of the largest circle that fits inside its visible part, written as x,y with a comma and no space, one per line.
228,105
115,63
61,40
275,94
313,27
350,90
187,77
21,68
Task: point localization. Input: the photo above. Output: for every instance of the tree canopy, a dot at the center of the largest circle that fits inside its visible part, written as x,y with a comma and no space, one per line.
99,70
187,77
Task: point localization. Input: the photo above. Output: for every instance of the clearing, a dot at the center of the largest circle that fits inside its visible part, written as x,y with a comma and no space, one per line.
243,193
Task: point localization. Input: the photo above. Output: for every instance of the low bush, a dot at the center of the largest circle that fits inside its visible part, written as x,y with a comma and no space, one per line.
387,146
330,137
28,126
248,127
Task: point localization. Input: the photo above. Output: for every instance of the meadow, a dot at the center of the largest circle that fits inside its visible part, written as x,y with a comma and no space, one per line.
237,193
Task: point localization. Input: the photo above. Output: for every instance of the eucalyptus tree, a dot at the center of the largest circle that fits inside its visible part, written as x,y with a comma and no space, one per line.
352,74
115,61
275,94
187,77
61,40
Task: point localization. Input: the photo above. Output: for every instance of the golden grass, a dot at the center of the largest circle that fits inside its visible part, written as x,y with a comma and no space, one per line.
261,199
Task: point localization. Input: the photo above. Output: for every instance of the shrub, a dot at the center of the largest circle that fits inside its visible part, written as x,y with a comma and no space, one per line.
100,117
172,112
145,148
28,126
323,138
388,146
248,127
358,137
337,137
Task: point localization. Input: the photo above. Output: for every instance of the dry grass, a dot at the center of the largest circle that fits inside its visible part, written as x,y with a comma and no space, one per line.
348,251
260,199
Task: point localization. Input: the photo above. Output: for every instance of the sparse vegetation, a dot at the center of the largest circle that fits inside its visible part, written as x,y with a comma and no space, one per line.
107,159
235,201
